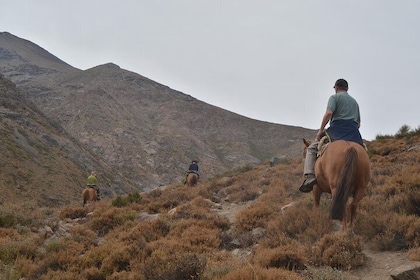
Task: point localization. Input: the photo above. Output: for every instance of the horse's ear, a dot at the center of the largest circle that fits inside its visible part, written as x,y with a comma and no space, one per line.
306,142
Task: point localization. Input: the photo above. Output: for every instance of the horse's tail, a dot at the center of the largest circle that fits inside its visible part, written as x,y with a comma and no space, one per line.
345,185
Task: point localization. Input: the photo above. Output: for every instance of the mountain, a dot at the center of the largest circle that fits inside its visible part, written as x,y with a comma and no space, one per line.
40,165
146,131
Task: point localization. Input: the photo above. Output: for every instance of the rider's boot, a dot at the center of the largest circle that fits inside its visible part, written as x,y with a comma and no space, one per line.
308,184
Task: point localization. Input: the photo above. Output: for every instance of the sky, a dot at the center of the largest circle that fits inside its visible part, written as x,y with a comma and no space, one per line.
274,61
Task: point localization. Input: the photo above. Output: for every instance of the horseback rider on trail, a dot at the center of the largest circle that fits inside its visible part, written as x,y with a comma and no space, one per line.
91,183
193,168
344,118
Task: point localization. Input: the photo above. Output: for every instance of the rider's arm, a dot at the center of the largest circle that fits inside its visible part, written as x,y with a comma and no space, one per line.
325,120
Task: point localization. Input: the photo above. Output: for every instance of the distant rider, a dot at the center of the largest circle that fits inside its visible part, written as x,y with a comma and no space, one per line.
91,183
193,169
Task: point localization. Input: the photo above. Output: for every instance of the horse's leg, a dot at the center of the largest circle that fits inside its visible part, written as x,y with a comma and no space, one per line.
317,195
358,195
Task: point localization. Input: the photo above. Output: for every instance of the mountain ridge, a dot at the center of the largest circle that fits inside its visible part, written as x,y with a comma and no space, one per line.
145,130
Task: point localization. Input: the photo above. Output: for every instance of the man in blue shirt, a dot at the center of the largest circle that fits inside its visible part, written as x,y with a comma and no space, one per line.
344,117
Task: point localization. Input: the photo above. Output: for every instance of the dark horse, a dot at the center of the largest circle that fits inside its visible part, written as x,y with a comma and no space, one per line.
89,194
343,170
192,179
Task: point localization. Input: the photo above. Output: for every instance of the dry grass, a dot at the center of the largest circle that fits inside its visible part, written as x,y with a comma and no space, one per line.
108,240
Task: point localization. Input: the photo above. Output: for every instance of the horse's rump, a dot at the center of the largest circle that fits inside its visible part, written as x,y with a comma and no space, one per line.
89,194
343,169
192,179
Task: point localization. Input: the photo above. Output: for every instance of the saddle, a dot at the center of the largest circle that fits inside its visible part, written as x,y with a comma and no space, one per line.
325,141
323,144
195,172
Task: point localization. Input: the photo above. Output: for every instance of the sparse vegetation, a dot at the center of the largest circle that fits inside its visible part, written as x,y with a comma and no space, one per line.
183,233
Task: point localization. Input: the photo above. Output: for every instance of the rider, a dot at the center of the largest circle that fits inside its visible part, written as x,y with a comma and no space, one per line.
91,183
344,118
193,169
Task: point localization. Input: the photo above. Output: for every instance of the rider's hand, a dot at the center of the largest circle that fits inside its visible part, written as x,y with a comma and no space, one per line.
319,134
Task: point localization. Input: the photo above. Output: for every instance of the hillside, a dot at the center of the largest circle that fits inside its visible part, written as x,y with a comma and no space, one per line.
40,165
248,223
146,131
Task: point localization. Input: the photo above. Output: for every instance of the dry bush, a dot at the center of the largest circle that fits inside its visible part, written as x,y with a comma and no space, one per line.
256,215
196,235
189,211
105,221
339,251
166,262
126,275
70,212
412,233
254,273
290,256
12,250
386,230
153,194
93,273
94,257
170,198
220,264
62,275
244,195
301,222
118,259
414,254
148,231
160,206
60,256
83,235
327,273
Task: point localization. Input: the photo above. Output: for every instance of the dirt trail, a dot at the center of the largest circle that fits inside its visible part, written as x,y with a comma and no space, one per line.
380,265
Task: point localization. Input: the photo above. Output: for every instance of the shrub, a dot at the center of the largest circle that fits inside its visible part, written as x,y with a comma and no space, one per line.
7,220
12,250
252,217
163,265
414,254
248,272
110,219
73,212
93,273
339,251
290,257
118,260
120,201
149,230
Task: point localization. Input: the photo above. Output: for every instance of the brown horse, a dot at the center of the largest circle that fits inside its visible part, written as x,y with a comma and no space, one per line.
192,179
89,194
343,170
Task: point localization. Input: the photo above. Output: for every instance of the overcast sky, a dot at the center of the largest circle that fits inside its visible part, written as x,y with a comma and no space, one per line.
274,61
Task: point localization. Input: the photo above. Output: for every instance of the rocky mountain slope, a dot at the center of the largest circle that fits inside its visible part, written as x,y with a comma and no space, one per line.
40,165
146,131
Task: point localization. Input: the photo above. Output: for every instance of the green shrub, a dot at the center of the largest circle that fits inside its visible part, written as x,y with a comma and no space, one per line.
7,220
119,201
